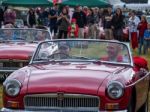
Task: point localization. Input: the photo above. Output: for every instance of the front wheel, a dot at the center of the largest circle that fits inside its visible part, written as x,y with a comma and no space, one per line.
144,108
131,106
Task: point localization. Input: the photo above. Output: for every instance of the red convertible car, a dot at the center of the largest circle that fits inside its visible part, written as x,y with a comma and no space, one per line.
79,76
16,48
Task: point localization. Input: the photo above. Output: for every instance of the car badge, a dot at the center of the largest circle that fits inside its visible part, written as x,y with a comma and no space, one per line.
60,96
81,66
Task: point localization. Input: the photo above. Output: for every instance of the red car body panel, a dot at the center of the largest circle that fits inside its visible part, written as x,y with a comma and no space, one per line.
19,51
68,79
90,79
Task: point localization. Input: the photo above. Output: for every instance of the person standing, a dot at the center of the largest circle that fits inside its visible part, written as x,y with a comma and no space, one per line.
31,18
85,10
73,29
107,24
45,15
1,16
118,24
80,16
142,26
133,32
63,24
90,23
96,16
41,17
146,39
9,16
53,15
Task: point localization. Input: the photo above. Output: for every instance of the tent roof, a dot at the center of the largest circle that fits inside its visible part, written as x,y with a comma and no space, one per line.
30,3
89,3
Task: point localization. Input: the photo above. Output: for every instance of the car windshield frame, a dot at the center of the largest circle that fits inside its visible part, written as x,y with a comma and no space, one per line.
44,30
130,63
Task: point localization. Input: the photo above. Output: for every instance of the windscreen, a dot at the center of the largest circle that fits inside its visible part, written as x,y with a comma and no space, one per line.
82,50
23,35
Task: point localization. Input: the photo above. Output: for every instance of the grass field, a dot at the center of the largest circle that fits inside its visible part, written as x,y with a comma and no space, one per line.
134,53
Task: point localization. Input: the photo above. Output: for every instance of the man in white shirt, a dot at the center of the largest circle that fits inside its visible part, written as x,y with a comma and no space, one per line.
133,22
133,32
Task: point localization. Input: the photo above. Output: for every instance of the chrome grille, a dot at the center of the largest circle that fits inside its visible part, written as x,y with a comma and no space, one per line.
65,102
7,64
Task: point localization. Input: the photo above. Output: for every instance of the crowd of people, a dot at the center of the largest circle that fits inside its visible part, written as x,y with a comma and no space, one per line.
84,22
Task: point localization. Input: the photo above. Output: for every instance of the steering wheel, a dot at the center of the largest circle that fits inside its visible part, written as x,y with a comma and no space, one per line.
58,55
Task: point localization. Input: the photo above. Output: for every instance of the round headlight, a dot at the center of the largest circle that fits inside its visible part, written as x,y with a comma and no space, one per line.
115,90
12,87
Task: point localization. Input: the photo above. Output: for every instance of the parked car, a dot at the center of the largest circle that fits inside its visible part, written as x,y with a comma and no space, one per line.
19,23
148,18
17,46
79,76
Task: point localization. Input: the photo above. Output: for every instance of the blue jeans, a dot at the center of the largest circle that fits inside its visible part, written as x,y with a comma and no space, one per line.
141,42
146,46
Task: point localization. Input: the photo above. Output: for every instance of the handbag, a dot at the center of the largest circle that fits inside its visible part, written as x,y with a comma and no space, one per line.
59,22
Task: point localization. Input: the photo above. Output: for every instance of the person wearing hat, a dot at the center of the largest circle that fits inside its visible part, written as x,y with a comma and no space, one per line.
85,10
61,53
73,29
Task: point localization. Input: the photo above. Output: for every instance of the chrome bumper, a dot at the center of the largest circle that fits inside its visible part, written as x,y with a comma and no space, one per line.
11,110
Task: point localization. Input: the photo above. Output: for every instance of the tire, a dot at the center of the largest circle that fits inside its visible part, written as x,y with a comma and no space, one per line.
2,79
131,106
144,108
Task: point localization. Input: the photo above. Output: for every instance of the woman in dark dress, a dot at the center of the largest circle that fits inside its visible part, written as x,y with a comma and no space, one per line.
63,24
118,24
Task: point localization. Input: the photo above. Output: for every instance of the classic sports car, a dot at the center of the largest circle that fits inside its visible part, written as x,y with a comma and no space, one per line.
79,76
17,47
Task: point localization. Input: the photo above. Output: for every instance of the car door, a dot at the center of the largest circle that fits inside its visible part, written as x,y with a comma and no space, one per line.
142,87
